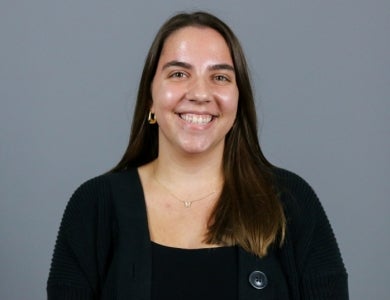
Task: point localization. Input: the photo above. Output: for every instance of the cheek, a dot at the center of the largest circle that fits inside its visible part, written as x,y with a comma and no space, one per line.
163,95
230,101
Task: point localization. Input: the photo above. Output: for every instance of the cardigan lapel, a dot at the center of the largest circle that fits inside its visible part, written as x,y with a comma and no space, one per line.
260,278
133,255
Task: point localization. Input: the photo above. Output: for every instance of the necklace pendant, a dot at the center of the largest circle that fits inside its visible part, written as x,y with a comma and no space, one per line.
187,204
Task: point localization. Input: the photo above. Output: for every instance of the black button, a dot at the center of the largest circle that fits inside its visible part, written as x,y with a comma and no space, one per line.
258,280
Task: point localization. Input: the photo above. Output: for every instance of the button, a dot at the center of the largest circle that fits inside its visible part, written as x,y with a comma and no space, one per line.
258,280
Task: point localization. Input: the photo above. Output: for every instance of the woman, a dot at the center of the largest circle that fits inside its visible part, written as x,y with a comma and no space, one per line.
194,210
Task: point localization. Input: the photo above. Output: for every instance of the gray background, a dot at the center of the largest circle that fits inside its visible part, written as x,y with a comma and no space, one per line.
68,77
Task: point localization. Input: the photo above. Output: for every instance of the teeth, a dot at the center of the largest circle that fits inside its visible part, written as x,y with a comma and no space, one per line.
196,119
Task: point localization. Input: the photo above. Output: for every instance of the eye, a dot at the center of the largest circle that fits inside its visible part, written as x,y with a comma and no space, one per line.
222,78
177,74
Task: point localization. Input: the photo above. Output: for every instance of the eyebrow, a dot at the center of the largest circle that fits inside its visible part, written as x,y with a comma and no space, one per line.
176,63
222,67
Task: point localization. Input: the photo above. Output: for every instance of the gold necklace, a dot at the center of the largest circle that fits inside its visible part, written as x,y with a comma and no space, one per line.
187,204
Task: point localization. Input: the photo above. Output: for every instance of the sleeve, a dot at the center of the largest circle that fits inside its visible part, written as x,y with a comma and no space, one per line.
82,244
320,268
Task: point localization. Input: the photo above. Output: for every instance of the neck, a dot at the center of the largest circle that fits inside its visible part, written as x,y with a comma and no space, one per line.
182,168
187,174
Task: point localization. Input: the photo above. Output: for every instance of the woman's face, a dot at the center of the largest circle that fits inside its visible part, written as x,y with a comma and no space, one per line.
194,91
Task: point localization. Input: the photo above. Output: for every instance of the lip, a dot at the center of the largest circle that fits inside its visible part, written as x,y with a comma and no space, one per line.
196,118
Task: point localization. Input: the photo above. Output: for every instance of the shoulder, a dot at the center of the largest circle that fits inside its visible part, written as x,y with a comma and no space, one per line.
302,206
307,222
294,191
289,181
102,184
96,193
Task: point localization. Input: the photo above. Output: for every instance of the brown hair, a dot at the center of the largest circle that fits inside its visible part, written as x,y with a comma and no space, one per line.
248,213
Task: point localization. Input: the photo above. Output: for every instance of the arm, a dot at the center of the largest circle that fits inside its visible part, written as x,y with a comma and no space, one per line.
82,244
321,274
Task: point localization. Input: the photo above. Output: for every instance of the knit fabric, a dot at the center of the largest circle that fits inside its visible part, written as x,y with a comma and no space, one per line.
103,246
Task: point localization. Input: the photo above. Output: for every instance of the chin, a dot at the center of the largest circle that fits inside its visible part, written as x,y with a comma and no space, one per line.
200,149
195,151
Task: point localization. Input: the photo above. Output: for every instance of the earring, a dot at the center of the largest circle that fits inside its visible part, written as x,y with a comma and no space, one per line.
152,118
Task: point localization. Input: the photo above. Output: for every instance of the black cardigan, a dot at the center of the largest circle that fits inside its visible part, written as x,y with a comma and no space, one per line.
103,249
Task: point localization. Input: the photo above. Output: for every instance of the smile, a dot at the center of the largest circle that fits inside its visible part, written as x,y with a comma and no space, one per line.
196,119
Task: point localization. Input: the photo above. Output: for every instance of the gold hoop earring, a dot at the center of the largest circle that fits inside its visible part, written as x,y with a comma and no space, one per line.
152,118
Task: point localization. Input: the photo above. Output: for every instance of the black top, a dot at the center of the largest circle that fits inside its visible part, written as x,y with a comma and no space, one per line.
193,274
103,248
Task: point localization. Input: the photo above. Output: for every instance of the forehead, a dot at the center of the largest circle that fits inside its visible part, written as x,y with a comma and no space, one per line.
193,40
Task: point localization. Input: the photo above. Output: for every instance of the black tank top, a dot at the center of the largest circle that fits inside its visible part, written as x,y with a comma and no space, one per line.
194,274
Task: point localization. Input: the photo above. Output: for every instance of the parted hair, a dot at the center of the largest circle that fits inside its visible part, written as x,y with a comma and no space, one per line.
249,212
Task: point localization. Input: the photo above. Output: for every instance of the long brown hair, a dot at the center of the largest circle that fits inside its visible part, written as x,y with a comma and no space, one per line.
248,212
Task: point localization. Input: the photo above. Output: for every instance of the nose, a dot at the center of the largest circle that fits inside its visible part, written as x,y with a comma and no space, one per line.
199,91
